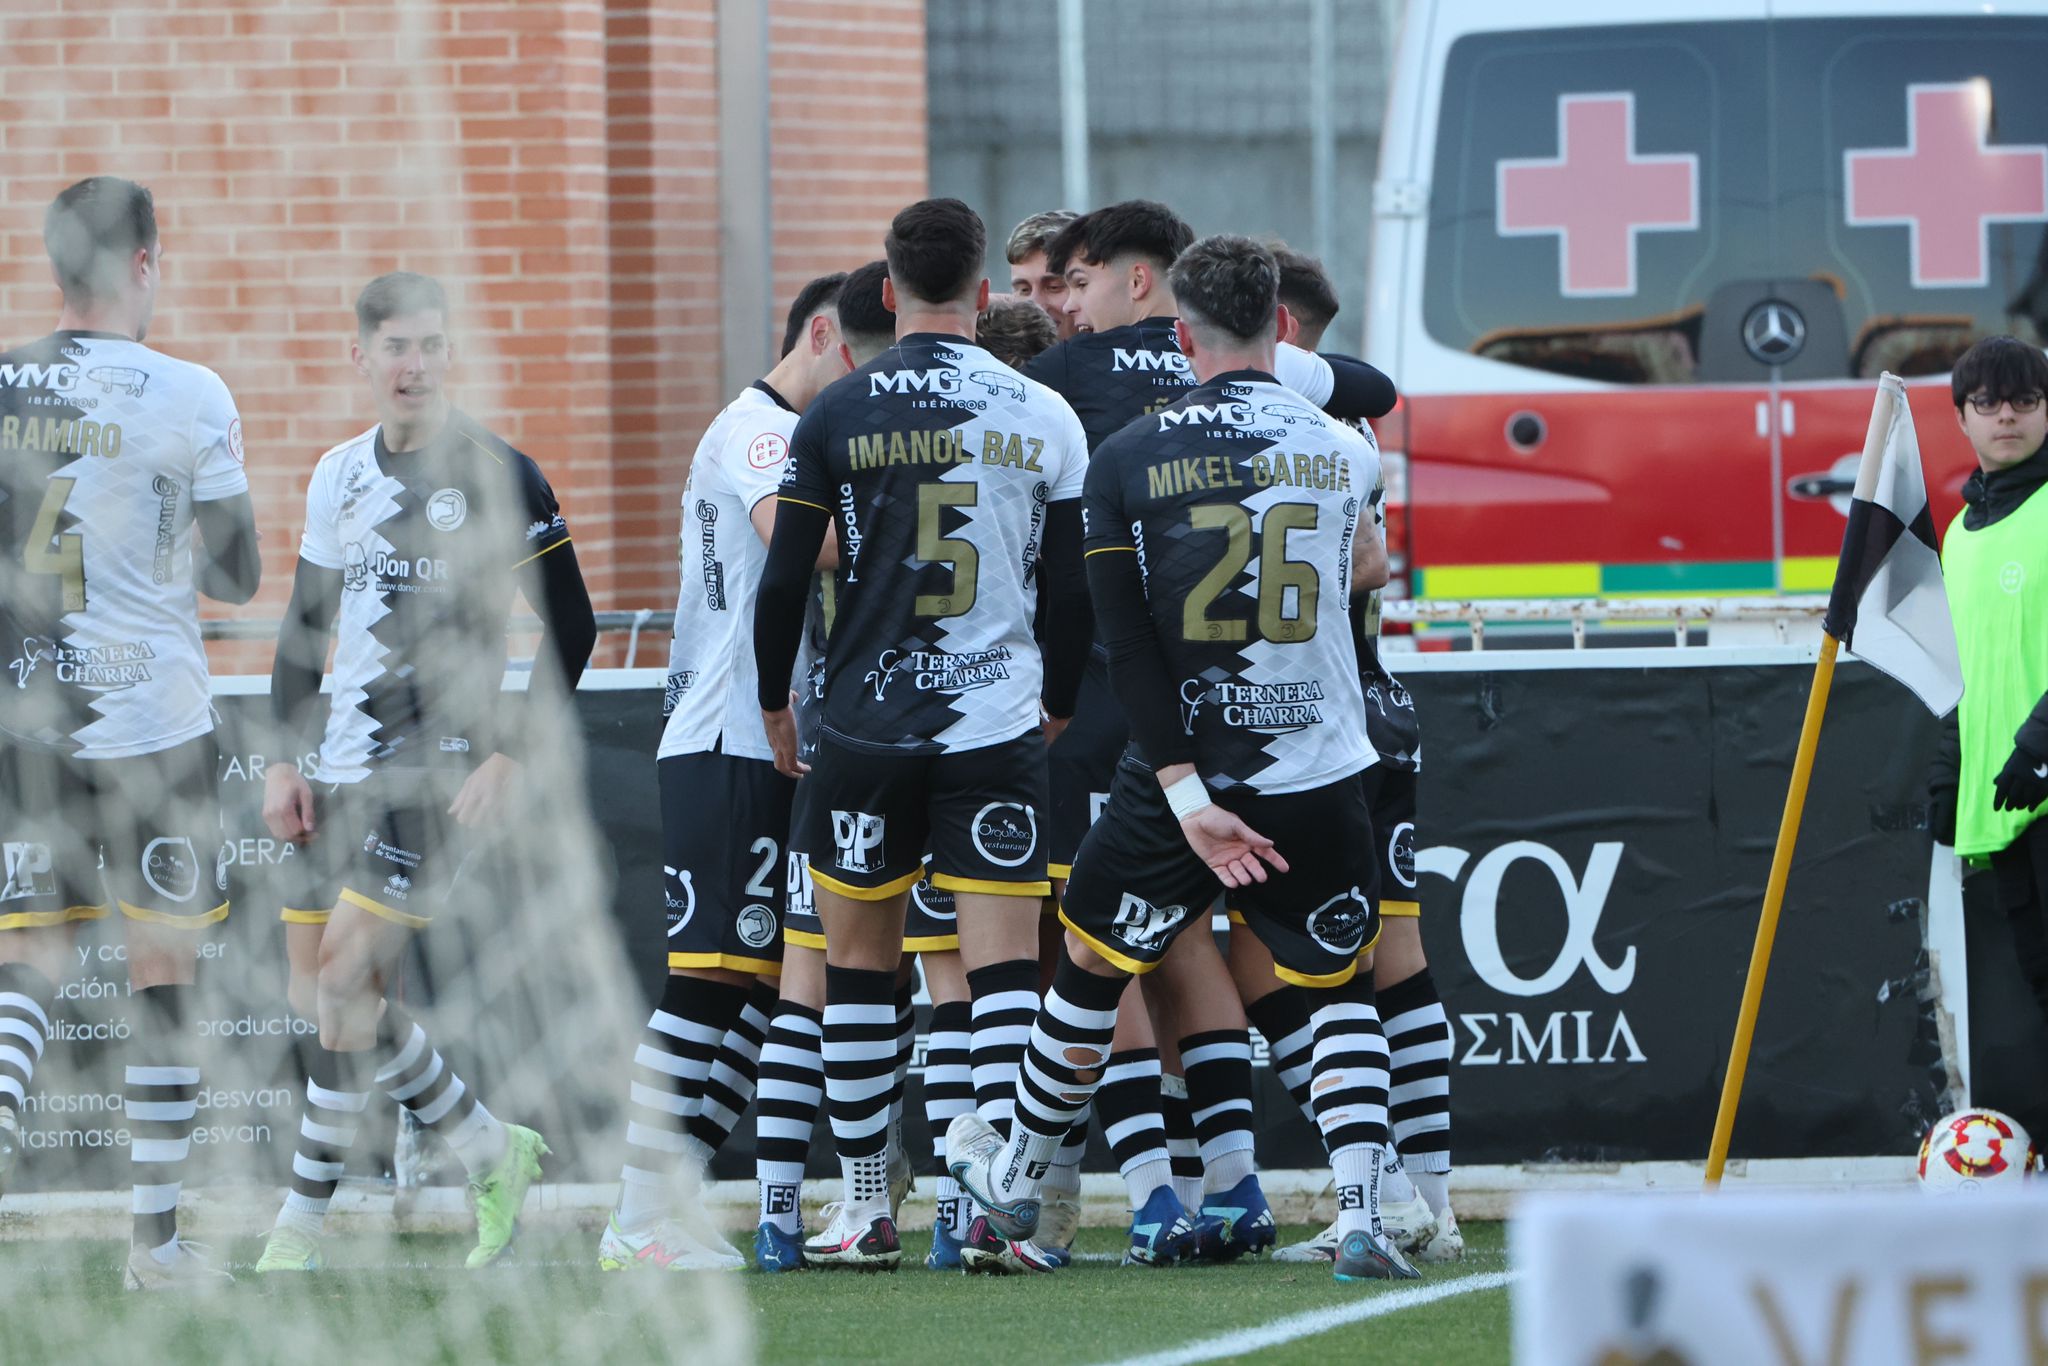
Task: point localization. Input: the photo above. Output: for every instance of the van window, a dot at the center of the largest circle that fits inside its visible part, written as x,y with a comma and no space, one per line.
1609,203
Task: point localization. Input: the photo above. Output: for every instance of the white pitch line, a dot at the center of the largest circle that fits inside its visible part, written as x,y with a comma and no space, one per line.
1316,1321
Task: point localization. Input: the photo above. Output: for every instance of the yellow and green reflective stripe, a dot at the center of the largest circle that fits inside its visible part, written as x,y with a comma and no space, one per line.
1578,579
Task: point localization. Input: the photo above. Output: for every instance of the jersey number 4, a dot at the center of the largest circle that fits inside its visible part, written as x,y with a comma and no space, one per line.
960,557
50,551
1277,574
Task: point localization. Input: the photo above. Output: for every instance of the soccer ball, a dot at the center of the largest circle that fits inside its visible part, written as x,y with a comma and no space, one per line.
1971,1150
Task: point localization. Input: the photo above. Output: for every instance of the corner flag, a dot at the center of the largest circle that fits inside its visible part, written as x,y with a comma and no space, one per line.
1888,607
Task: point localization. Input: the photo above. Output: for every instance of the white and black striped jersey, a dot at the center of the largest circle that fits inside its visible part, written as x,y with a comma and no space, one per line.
105,445
936,462
711,698
428,543
1242,504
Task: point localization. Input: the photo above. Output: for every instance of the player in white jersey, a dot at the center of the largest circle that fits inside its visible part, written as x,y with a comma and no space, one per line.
1224,541
953,483
724,808
111,453
417,535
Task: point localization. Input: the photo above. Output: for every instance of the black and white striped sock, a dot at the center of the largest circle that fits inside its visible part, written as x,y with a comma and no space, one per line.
1350,1090
1218,1066
1419,1051
860,1073
1127,1108
1183,1152
670,1067
736,1069
1063,1064
1281,1017
415,1075
336,1095
25,999
1005,997
906,1049
948,1093
160,1100
792,1090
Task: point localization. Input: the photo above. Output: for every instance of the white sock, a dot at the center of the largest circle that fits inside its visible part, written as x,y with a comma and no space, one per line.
479,1141
781,1186
1395,1187
1145,1177
1357,1170
1435,1188
1224,1170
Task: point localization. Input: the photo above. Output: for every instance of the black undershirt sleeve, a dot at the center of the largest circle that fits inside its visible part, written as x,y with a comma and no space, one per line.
1357,389
301,658
1137,670
1069,626
553,587
779,605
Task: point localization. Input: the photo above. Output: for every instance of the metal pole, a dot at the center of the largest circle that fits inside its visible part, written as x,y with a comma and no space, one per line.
1322,130
1073,109
745,213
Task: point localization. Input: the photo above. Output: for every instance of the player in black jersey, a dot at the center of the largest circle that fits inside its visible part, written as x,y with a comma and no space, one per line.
418,533
953,484
1223,544
112,455
1126,363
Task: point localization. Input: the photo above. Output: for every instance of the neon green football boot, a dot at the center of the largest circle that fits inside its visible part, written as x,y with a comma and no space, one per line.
498,1196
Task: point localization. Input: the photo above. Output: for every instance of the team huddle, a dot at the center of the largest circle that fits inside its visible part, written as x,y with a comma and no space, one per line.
1016,641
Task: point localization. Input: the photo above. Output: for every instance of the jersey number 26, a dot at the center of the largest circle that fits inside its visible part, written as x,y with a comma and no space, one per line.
1277,574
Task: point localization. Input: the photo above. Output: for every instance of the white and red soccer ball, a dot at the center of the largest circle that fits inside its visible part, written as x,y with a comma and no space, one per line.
1974,1150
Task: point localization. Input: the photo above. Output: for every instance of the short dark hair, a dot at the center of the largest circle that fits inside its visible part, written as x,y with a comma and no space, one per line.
1035,233
864,320
813,299
92,230
935,249
1013,330
396,293
1136,227
1304,286
2003,367
1229,282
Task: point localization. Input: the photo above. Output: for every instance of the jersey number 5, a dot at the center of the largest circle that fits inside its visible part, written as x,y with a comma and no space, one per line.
957,555
1277,574
50,551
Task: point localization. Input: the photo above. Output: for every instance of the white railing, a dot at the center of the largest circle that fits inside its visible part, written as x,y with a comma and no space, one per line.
1783,621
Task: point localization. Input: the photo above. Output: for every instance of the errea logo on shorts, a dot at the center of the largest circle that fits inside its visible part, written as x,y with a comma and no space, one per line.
857,841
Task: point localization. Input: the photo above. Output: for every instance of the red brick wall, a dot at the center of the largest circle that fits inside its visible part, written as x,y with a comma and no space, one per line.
554,161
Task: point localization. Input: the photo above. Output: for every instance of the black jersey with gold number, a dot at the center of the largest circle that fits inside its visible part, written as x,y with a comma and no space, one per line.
936,462
1242,505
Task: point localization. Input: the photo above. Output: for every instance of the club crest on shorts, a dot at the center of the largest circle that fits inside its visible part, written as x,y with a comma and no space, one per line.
1401,853
1006,833
1144,926
857,841
756,926
1339,923
170,865
681,897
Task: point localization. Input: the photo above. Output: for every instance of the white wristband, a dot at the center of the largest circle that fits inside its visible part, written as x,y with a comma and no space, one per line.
1187,796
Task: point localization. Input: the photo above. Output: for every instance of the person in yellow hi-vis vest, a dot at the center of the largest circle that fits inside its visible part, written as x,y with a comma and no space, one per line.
1991,778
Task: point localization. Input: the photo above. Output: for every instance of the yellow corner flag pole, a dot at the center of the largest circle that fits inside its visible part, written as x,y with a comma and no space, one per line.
1788,833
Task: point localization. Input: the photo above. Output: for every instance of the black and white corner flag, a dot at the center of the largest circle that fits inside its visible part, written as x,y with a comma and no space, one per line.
1888,606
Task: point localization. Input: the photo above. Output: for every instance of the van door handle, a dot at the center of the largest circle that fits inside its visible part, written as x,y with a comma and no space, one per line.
1763,417
1785,416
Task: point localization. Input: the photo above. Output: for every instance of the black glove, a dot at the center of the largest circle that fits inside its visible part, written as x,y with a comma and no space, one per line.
1941,814
2022,784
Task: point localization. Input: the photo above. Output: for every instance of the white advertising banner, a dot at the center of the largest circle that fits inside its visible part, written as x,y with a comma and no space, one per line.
1781,1280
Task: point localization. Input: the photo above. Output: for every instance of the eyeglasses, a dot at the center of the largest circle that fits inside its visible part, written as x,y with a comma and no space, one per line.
1986,404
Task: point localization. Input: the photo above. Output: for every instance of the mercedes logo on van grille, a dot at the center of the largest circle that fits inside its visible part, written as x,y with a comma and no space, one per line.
1773,332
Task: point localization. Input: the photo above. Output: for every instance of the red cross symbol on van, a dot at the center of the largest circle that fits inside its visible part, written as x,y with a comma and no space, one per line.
1597,194
1946,184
